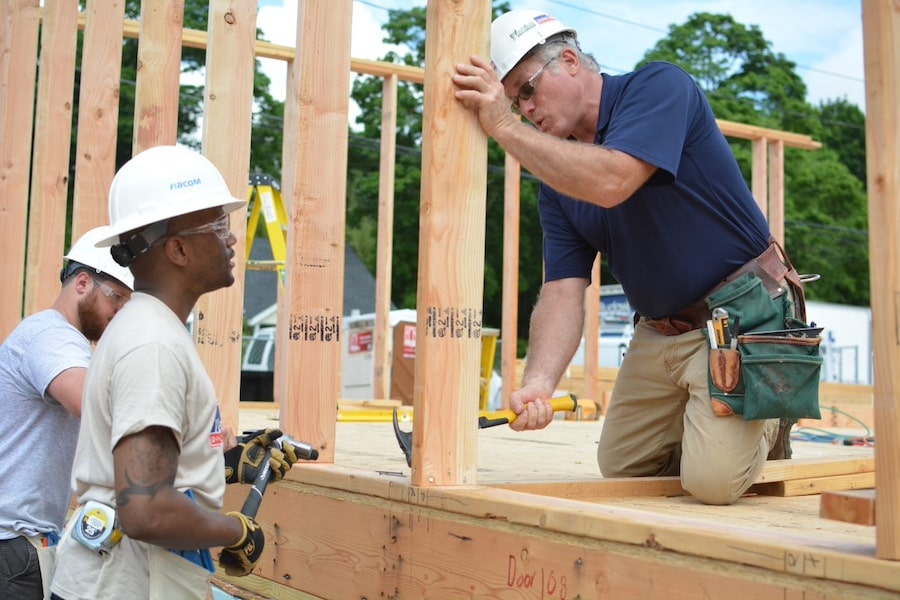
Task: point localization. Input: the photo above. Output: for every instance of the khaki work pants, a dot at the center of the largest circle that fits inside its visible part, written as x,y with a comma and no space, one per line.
660,402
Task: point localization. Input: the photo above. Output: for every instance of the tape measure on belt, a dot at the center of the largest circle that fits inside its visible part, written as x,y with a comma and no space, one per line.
96,526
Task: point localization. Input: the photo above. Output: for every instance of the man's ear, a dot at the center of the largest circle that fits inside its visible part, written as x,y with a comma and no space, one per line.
83,282
568,58
177,251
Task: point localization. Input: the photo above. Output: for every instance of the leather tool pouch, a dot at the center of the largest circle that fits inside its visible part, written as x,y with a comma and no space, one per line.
773,371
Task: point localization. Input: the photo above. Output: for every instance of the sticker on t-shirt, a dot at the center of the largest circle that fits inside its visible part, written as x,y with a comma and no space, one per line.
215,434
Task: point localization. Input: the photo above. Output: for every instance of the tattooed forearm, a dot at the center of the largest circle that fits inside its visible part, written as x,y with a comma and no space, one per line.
150,463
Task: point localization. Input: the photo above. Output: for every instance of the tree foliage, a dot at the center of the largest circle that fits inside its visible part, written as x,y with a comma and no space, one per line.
825,200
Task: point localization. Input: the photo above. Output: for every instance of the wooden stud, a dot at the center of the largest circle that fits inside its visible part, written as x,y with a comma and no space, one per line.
753,132
316,186
158,75
806,468
18,50
50,161
98,113
288,176
881,33
592,331
451,253
776,190
815,485
509,326
230,70
612,487
760,174
778,478
381,381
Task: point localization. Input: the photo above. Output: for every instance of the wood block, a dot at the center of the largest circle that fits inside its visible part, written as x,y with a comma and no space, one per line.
807,468
815,485
853,506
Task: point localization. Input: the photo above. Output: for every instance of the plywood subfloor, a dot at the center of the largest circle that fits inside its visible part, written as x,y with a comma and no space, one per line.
566,450
781,534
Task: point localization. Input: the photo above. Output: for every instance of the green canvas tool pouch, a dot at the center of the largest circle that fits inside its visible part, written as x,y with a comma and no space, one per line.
771,369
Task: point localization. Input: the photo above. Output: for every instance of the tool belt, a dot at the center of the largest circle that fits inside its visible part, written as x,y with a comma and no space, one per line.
769,365
772,267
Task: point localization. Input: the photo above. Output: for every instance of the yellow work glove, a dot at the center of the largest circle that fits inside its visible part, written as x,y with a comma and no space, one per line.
244,461
241,558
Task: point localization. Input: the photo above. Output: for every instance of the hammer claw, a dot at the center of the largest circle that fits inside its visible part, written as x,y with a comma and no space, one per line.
404,438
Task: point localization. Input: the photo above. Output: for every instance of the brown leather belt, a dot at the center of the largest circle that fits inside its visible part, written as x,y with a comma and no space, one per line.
769,266
687,319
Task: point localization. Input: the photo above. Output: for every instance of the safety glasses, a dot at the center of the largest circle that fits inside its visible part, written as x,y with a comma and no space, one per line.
119,299
527,89
221,227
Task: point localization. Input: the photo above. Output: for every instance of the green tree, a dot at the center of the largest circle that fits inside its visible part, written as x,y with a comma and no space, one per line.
825,201
844,132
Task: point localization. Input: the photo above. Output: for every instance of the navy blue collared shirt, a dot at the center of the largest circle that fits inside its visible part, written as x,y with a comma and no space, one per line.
694,222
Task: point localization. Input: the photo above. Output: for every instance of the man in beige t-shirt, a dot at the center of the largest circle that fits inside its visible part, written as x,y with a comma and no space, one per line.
150,444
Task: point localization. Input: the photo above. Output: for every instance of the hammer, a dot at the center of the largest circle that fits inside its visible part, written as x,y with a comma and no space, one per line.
485,419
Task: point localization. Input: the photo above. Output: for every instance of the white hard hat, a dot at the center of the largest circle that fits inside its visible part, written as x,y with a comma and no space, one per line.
86,253
164,182
515,33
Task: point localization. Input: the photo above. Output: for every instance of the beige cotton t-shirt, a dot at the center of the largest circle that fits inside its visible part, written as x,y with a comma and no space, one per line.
145,372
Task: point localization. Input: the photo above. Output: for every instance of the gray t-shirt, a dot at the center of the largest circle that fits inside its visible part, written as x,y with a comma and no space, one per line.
37,434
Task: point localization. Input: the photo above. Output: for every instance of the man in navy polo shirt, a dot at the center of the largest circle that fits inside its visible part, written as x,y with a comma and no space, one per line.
634,167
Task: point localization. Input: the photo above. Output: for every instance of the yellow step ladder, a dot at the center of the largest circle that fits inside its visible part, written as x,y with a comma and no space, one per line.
264,199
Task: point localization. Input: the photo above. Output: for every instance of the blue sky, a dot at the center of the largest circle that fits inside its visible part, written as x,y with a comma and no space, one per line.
822,37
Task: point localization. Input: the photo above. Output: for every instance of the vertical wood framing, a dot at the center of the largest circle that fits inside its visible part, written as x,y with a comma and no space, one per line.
18,51
881,35
50,160
451,253
98,113
760,174
315,262
288,176
383,269
158,74
592,332
509,326
230,68
776,190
